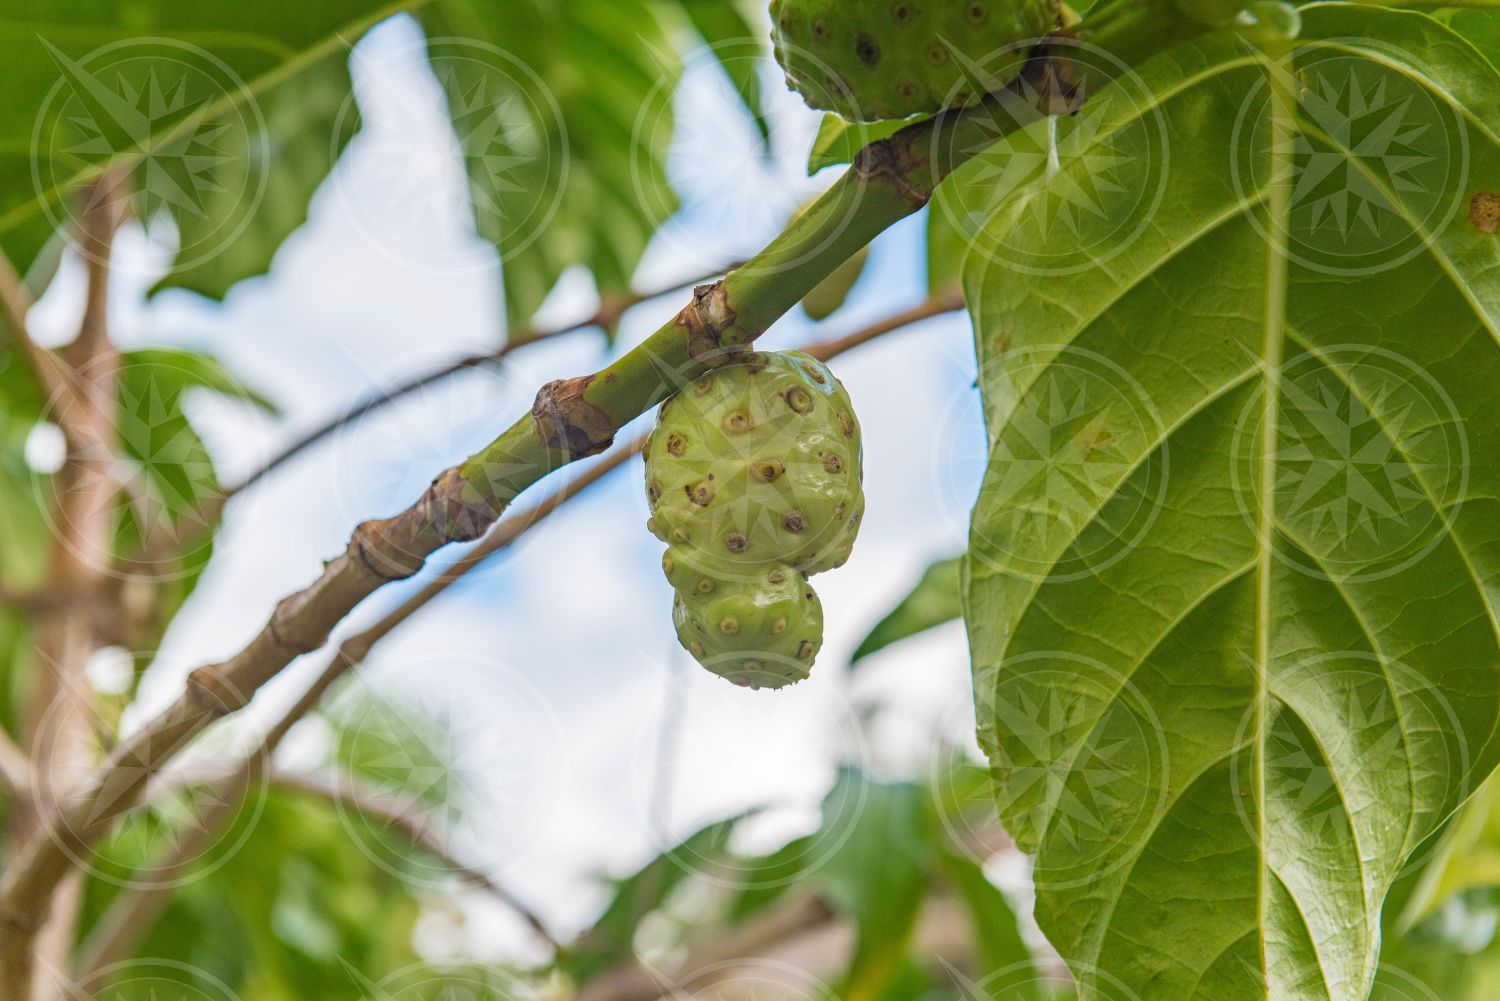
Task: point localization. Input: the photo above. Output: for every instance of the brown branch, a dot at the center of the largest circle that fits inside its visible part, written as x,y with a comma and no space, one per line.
881,188
611,309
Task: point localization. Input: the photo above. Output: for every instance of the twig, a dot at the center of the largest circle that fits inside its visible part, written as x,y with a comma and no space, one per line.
890,179
610,310
415,830
131,914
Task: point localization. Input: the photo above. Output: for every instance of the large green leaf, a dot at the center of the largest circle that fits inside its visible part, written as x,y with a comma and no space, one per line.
1232,580
563,115
175,91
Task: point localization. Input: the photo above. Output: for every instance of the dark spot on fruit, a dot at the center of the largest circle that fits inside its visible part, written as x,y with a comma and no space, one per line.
808,596
737,422
766,470
907,89
754,665
778,627
1484,212
799,399
978,12
700,493
937,54
838,509
776,576
704,586
833,463
696,649
668,564
820,30
653,491
901,13
704,385
867,50
677,444
736,542
793,521
846,422
814,373
805,650
729,625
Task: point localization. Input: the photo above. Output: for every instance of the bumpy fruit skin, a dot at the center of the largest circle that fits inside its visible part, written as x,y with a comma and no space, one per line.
868,60
758,465
761,633
753,477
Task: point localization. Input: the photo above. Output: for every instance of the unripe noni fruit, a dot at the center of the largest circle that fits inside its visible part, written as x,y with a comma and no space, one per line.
758,633
868,60
757,465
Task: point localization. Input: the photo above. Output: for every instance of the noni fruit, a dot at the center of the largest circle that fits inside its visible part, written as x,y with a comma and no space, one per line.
757,465
753,478
868,60
757,633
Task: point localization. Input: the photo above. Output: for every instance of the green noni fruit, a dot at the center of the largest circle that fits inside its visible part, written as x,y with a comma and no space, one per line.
753,477
758,465
758,633
868,60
